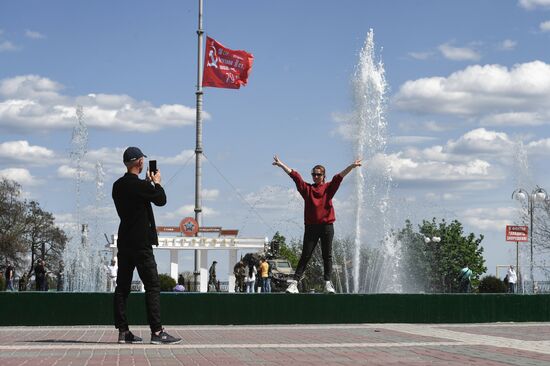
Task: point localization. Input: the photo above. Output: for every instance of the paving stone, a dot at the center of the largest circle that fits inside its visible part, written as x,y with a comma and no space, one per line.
521,344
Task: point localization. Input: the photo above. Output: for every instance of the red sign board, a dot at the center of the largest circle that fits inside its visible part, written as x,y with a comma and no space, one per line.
189,226
168,229
517,233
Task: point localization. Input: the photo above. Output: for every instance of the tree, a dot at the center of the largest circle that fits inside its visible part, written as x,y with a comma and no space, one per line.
492,285
12,223
284,250
313,275
27,232
292,252
342,269
44,240
433,266
167,283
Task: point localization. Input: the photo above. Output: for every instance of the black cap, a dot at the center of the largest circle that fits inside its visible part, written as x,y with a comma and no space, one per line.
132,153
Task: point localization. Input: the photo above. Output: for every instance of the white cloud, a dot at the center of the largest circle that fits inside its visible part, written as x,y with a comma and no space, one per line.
97,217
434,126
435,197
458,53
31,102
492,219
173,218
71,172
532,4
106,155
421,55
344,126
431,126
481,141
410,140
516,119
34,34
65,220
479,157
545,26
209,194
22,151
539,147
407,169
182,158
6,46
110,160
492,93
274,198
476,160
493,146
507,45
20,175
29,88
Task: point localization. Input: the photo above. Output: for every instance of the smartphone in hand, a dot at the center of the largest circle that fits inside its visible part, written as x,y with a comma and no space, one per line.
152,167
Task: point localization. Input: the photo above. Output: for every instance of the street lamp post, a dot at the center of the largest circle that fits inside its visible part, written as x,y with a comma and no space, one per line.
537,194
435,240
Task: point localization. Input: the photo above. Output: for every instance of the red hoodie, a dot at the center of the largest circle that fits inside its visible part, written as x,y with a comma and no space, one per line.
317,199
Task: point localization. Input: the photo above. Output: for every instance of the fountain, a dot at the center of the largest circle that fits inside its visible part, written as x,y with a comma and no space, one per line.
83,263
372,190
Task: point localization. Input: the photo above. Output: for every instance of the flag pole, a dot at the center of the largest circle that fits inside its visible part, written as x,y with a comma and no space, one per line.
198,147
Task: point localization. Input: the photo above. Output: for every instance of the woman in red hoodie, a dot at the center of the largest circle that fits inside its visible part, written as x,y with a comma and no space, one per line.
318,217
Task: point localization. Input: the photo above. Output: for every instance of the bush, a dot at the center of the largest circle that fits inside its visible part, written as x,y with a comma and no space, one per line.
492,285
167,283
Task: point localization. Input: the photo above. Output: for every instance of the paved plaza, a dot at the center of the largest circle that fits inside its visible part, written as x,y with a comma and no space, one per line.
357,344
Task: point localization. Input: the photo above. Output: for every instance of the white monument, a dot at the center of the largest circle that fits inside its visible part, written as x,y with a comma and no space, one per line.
181,239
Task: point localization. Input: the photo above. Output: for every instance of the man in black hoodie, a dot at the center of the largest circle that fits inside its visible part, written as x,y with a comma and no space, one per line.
136,235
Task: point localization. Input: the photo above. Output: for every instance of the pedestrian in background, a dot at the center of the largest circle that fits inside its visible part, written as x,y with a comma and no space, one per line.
250,278
112,271
40,275
212,281
239,271
465,279
10,275
512,279
264,274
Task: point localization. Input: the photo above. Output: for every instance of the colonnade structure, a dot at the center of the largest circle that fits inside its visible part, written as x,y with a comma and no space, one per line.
183,237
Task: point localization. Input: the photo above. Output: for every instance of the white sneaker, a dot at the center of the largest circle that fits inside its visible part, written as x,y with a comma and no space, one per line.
328,287
292,287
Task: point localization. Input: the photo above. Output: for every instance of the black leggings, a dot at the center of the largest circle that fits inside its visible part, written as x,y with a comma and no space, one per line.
312,234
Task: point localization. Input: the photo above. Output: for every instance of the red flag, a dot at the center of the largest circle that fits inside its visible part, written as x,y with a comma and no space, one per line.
225,68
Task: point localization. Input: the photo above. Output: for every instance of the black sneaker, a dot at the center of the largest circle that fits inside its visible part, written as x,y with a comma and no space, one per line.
164,338
128,337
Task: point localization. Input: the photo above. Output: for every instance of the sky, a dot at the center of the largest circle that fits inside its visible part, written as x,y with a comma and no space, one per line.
466,107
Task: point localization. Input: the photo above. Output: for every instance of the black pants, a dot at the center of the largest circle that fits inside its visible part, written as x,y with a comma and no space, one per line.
312,235
40,283
144,261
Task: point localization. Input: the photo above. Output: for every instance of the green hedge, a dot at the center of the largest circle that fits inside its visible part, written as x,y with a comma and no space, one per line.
64,308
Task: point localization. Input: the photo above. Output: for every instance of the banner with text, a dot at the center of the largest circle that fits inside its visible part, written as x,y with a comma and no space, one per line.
225,68
517,233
